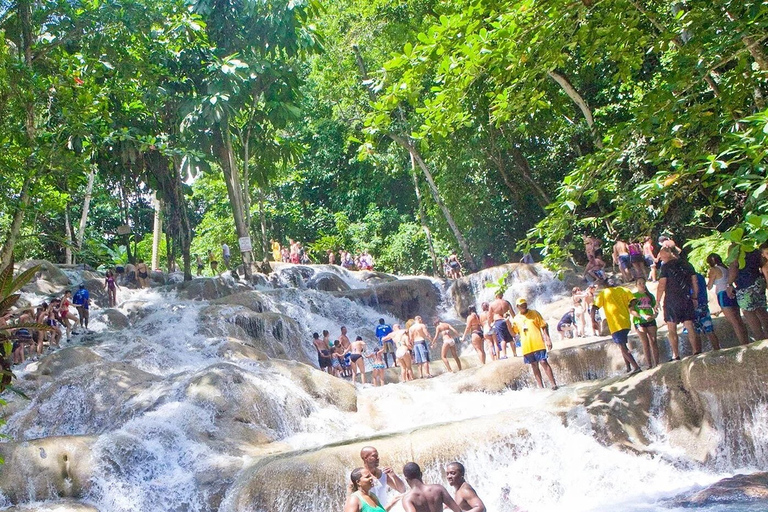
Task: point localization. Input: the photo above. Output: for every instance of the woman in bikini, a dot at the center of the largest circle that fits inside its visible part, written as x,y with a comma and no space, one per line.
402,351
474,327
111,286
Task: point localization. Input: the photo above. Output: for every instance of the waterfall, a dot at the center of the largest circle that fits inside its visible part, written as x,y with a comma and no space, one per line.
210,400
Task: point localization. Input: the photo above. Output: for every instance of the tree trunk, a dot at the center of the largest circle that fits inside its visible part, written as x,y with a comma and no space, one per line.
25,16
226,155
580,102
68,234
263,221
86,208
525,171
156,232
436,196
423,217
18,219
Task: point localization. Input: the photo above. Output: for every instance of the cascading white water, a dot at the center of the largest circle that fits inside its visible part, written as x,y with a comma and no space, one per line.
190,416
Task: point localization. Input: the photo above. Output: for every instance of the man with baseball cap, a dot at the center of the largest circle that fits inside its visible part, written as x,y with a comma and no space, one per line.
535,341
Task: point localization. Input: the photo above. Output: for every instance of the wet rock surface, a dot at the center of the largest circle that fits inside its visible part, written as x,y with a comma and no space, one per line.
404,298
738,489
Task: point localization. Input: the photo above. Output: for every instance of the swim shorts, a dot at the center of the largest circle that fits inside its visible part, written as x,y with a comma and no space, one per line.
649,261
725,301
752,298
620,337
535,357
324,360
703,321
678,310
502,331
389,347
421,352
624,261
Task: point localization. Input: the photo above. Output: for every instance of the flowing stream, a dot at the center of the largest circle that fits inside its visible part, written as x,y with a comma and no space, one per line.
152,400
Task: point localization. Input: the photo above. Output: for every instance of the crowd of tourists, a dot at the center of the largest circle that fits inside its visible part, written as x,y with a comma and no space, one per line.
681,295
370,487
36,328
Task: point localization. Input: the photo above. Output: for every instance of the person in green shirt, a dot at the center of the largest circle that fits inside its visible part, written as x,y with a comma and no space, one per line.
644,314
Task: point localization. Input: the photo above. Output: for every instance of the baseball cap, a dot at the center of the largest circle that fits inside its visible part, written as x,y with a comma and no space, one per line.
521,300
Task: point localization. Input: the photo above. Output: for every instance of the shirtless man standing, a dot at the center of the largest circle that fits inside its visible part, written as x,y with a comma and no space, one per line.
423,497
466,497
499,309
449,343
323,352
356,359
344,339
419,336
475,327
622,259
383,478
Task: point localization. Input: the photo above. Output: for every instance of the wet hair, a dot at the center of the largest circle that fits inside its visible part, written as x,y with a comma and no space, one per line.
459,466
355,477
437,321
472,310
412,471
315,335
335,343
325,332
359,338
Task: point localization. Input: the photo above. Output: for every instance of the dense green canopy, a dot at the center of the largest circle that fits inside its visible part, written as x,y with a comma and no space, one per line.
407,129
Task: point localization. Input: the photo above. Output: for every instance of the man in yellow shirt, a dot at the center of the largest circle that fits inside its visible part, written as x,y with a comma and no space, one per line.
615,302
534,338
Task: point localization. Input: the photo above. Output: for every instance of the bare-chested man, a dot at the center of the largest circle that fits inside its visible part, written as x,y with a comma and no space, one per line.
419,336
383,478
449,343
466,497
475,329
622,259
356,360
423,497
344,339
499,309
323,352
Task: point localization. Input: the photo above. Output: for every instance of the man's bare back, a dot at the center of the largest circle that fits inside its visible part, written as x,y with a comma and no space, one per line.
418,331
428,498
498,308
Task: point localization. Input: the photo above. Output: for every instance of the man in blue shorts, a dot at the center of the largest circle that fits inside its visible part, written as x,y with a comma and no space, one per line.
615,302
702,320
389,346
535,341
82,301
419,336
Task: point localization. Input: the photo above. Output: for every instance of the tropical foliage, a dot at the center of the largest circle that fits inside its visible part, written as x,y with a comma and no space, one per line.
406,129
